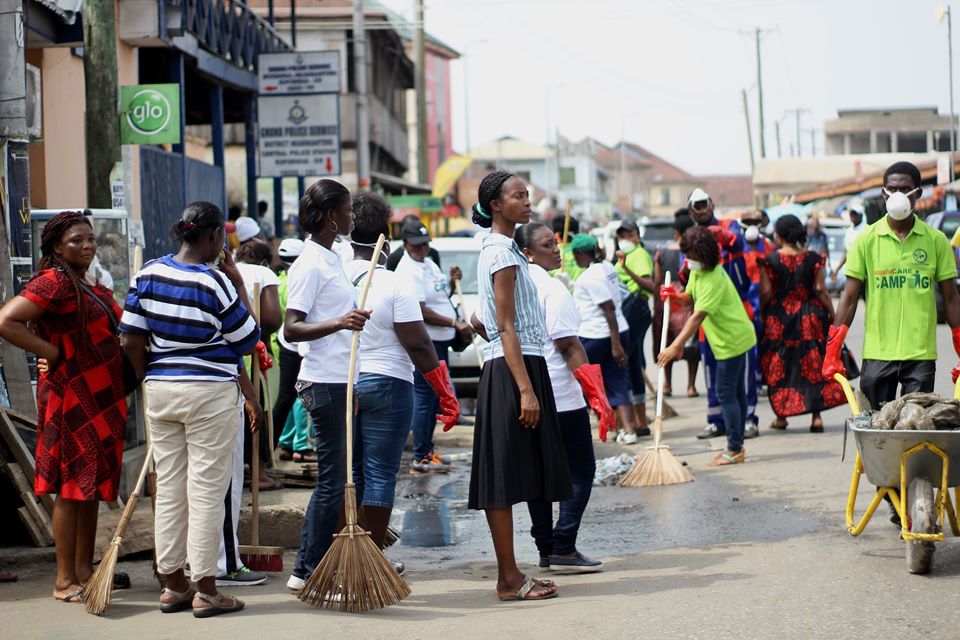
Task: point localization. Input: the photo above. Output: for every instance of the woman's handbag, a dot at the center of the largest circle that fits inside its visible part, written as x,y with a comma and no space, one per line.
131,381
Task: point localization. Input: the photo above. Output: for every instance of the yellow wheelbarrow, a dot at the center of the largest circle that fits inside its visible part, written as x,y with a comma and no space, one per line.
906,467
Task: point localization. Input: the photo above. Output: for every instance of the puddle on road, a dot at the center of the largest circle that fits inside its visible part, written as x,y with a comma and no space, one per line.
431,511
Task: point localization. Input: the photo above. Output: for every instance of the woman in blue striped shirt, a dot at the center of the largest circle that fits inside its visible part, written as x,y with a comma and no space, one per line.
186,324
518,453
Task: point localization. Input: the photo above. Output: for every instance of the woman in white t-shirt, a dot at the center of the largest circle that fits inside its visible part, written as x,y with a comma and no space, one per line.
572,378
604,331
322,314
433,288
394,342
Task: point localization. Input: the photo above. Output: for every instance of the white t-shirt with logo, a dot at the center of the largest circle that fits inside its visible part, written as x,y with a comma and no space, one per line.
433,290
318,287
391,300
563,321
596,285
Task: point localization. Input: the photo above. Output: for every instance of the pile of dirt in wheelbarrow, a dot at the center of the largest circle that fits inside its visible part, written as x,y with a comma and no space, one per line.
918,412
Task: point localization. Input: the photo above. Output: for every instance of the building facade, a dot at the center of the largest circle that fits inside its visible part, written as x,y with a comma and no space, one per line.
864,131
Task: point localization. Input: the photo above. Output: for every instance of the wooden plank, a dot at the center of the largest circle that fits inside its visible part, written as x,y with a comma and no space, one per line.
20,418
19,480
21,454
36,533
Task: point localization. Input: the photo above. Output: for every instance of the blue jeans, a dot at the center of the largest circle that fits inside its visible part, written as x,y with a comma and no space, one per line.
616,379
636,310
753,375
426,406
732,394
561,539
327,404
379,433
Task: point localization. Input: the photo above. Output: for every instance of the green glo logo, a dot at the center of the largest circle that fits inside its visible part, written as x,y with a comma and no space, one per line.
149,112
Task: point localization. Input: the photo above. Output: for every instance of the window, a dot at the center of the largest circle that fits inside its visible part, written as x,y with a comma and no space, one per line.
523,175
568,176
664,197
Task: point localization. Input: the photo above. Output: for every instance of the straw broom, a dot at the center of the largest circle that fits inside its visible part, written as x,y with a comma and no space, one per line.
253,555
354,575
656,466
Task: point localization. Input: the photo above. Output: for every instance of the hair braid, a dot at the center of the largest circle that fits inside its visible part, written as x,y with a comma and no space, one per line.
53,233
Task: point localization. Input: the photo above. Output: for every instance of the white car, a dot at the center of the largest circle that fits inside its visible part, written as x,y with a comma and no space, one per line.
463,253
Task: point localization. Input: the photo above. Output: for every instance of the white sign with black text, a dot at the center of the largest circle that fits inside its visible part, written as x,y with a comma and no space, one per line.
299,72
298,135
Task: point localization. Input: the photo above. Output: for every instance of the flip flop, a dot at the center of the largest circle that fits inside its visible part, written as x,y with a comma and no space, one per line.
729,457
77,596
304,456
529,584
183,600
274,485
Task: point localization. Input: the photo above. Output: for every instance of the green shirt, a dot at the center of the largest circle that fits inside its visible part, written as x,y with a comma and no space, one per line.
570,266
727,327
640,263
900,278
282,295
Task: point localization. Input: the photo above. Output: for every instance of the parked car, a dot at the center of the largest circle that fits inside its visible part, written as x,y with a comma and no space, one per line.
656,232
464,253
835,229
947,222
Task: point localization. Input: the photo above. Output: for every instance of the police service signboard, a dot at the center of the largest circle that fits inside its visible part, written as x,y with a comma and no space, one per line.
299,72
299,135
150,114
298,114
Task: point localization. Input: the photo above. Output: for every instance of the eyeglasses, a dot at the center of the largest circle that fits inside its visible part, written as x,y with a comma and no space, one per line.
700,205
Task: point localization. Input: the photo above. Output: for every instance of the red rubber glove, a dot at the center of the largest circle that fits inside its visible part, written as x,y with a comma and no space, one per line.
955,373
591,381
668,291
439,381
266,360
832,364
724,237
956,339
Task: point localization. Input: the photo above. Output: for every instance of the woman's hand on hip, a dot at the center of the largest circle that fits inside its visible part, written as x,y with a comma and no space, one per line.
529,409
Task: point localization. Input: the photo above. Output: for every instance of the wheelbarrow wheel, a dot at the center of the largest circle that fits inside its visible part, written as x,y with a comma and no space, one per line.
922,520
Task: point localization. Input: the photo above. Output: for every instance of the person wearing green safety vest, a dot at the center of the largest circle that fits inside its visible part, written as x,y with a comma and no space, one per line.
635,272
900,261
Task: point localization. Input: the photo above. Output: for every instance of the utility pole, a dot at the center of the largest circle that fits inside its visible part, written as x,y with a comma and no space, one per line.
13,128
423,170
779,147
796,121
746,117
763,144
100,84
360,82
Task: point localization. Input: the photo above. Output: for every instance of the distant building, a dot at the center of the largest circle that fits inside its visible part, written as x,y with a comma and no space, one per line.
911,130
656,187
582,179
729,192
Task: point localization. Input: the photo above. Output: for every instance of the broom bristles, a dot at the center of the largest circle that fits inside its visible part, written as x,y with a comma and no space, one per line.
656,467
98,592
354,576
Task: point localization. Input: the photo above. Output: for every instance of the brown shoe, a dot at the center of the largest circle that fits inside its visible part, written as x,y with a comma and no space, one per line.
207,606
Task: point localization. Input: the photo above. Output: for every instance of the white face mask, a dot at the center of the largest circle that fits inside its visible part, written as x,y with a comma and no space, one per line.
626,246
898,204
695,265
751,233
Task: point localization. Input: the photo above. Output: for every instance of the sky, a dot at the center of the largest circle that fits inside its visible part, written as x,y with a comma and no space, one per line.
668,74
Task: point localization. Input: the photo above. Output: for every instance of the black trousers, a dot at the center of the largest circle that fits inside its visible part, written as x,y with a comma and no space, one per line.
287,393
880,380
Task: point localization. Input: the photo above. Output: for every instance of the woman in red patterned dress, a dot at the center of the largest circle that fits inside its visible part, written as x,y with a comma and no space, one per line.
797,311
80,398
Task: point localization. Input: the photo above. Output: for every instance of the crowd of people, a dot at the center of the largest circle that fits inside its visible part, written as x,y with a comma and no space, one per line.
563,328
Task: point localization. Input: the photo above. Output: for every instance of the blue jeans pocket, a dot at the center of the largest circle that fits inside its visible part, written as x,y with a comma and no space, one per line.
312,395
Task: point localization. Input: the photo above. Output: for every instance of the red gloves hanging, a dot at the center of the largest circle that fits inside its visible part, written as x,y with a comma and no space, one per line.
439,381
832,364
956,347
591,381
266,360
724,237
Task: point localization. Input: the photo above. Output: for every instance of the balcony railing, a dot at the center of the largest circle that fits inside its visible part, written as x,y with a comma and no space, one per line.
226,28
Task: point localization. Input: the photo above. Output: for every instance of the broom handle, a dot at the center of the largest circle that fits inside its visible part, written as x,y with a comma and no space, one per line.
566,223
134,496
255,442
661,372
463,308
354,345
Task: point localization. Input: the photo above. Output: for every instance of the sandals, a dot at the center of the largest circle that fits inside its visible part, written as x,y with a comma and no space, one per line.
217,605
779,427
525,591
725,458
76,596
304,456
284,454
181,601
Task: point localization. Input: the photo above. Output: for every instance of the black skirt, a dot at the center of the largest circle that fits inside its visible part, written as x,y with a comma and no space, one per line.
512,463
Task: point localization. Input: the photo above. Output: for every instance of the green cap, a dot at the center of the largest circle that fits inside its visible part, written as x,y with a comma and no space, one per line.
583,242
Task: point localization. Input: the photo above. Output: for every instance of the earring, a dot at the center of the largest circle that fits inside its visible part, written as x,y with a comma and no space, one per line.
333,226
530,260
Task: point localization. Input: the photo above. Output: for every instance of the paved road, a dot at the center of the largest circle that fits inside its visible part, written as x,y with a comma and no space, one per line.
753,551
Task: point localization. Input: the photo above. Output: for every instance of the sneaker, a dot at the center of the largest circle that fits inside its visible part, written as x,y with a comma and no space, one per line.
244,577
576,561
430,464
711,431
751,430
443,457
295,582
642,432
625,437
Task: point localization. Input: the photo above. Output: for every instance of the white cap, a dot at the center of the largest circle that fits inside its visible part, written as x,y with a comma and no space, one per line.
290,248
698,195
246,228
857,205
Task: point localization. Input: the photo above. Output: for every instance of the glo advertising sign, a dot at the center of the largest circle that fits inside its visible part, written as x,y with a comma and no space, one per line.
150,114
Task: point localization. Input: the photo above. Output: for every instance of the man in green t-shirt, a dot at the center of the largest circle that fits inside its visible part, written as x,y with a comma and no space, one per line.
635,272
899,261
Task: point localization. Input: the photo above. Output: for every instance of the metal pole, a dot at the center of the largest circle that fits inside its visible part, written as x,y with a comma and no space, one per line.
293,23
746,115
776,126
423,170
250,144
623,156
796,121
763,144
953,126
466,102
360,84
